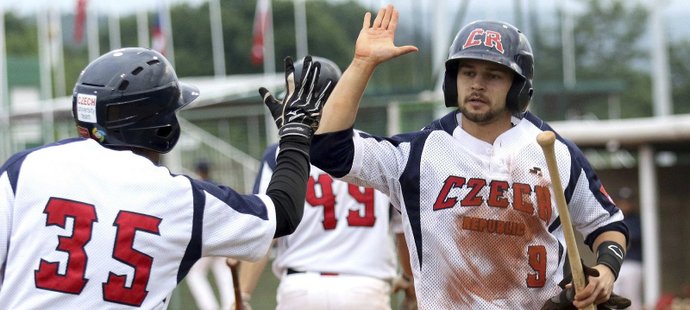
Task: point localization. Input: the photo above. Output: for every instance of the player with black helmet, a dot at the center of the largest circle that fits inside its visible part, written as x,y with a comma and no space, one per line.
342,255
480,221
95,223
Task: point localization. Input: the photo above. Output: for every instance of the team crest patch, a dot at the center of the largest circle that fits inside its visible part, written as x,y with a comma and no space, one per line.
86,108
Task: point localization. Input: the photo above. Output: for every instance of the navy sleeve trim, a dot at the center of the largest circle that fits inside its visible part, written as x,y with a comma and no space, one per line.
245,204
410,186
447,123
333,152
193,251
619,226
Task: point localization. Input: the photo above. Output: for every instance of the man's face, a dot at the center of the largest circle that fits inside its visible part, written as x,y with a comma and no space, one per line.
482,90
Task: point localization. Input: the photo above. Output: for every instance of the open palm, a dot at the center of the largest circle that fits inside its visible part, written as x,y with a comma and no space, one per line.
375,43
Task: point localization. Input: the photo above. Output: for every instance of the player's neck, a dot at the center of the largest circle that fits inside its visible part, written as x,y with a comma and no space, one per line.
154,157
487,131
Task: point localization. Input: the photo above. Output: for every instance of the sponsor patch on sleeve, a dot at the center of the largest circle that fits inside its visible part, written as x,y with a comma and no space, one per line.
86,108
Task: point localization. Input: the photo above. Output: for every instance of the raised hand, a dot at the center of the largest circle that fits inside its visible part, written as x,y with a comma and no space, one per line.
297,116
375,43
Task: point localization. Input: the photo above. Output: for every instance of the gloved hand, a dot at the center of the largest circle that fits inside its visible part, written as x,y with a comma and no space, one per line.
564,300
298,114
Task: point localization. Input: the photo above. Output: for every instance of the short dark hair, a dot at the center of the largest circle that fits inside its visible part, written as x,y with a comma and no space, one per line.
202,165
625,193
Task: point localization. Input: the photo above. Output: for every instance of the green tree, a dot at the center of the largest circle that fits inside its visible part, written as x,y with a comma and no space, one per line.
609,51
21,36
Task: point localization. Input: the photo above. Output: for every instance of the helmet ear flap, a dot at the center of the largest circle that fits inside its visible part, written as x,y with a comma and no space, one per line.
519,95
450,85
525,96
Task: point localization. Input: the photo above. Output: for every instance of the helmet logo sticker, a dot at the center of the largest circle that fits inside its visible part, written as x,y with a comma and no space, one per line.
491,38
86,108
98,134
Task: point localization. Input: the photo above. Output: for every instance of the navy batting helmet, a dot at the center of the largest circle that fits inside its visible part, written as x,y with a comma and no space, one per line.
497,42
329,70
128,98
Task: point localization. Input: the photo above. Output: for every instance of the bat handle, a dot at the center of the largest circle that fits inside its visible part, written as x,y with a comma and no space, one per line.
547,140
233,264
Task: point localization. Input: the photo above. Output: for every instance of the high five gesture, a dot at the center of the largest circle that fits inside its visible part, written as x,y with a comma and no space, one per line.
375,45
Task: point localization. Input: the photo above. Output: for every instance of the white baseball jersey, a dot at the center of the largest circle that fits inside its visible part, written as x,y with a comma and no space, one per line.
345,228
480,220
86,227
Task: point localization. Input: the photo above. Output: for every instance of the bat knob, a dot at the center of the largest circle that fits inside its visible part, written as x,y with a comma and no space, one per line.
231,262
546,138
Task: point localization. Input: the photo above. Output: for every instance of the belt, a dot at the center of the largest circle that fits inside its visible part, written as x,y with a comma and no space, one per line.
293,271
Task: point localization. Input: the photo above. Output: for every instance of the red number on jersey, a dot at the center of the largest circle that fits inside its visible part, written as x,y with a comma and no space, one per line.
327,201
537,260
73,281
367,199
57,211
115,290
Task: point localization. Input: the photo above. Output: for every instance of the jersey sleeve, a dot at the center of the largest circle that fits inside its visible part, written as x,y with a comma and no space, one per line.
9,173
363,159
235,225
6,197
592,209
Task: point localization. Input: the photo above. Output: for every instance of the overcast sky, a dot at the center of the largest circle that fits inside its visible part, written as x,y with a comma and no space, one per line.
127,6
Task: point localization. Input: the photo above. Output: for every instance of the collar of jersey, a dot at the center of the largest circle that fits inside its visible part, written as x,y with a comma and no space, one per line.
478,146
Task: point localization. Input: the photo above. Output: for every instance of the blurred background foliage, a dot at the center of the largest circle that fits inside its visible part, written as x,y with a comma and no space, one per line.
611,47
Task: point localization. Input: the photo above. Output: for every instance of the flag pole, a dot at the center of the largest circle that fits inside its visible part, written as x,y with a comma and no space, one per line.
217,38
92,32
44,54
168,33
269,46
114,30
301,29
5,137
142,28
57,52
45,68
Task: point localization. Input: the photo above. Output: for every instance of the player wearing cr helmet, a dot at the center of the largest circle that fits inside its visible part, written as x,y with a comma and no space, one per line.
341,256
95,223
479,219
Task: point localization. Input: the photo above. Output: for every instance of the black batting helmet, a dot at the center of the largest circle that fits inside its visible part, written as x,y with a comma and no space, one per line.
128,98
497,42
329,70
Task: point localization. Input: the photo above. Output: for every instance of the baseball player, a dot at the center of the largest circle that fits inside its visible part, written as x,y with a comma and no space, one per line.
479,218
95,223
342,255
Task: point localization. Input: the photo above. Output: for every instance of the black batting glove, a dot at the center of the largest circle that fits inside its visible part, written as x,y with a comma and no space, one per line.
564,300
297,116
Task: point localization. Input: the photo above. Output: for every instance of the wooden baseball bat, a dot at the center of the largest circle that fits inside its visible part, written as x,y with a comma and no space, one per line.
235,282
546,140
